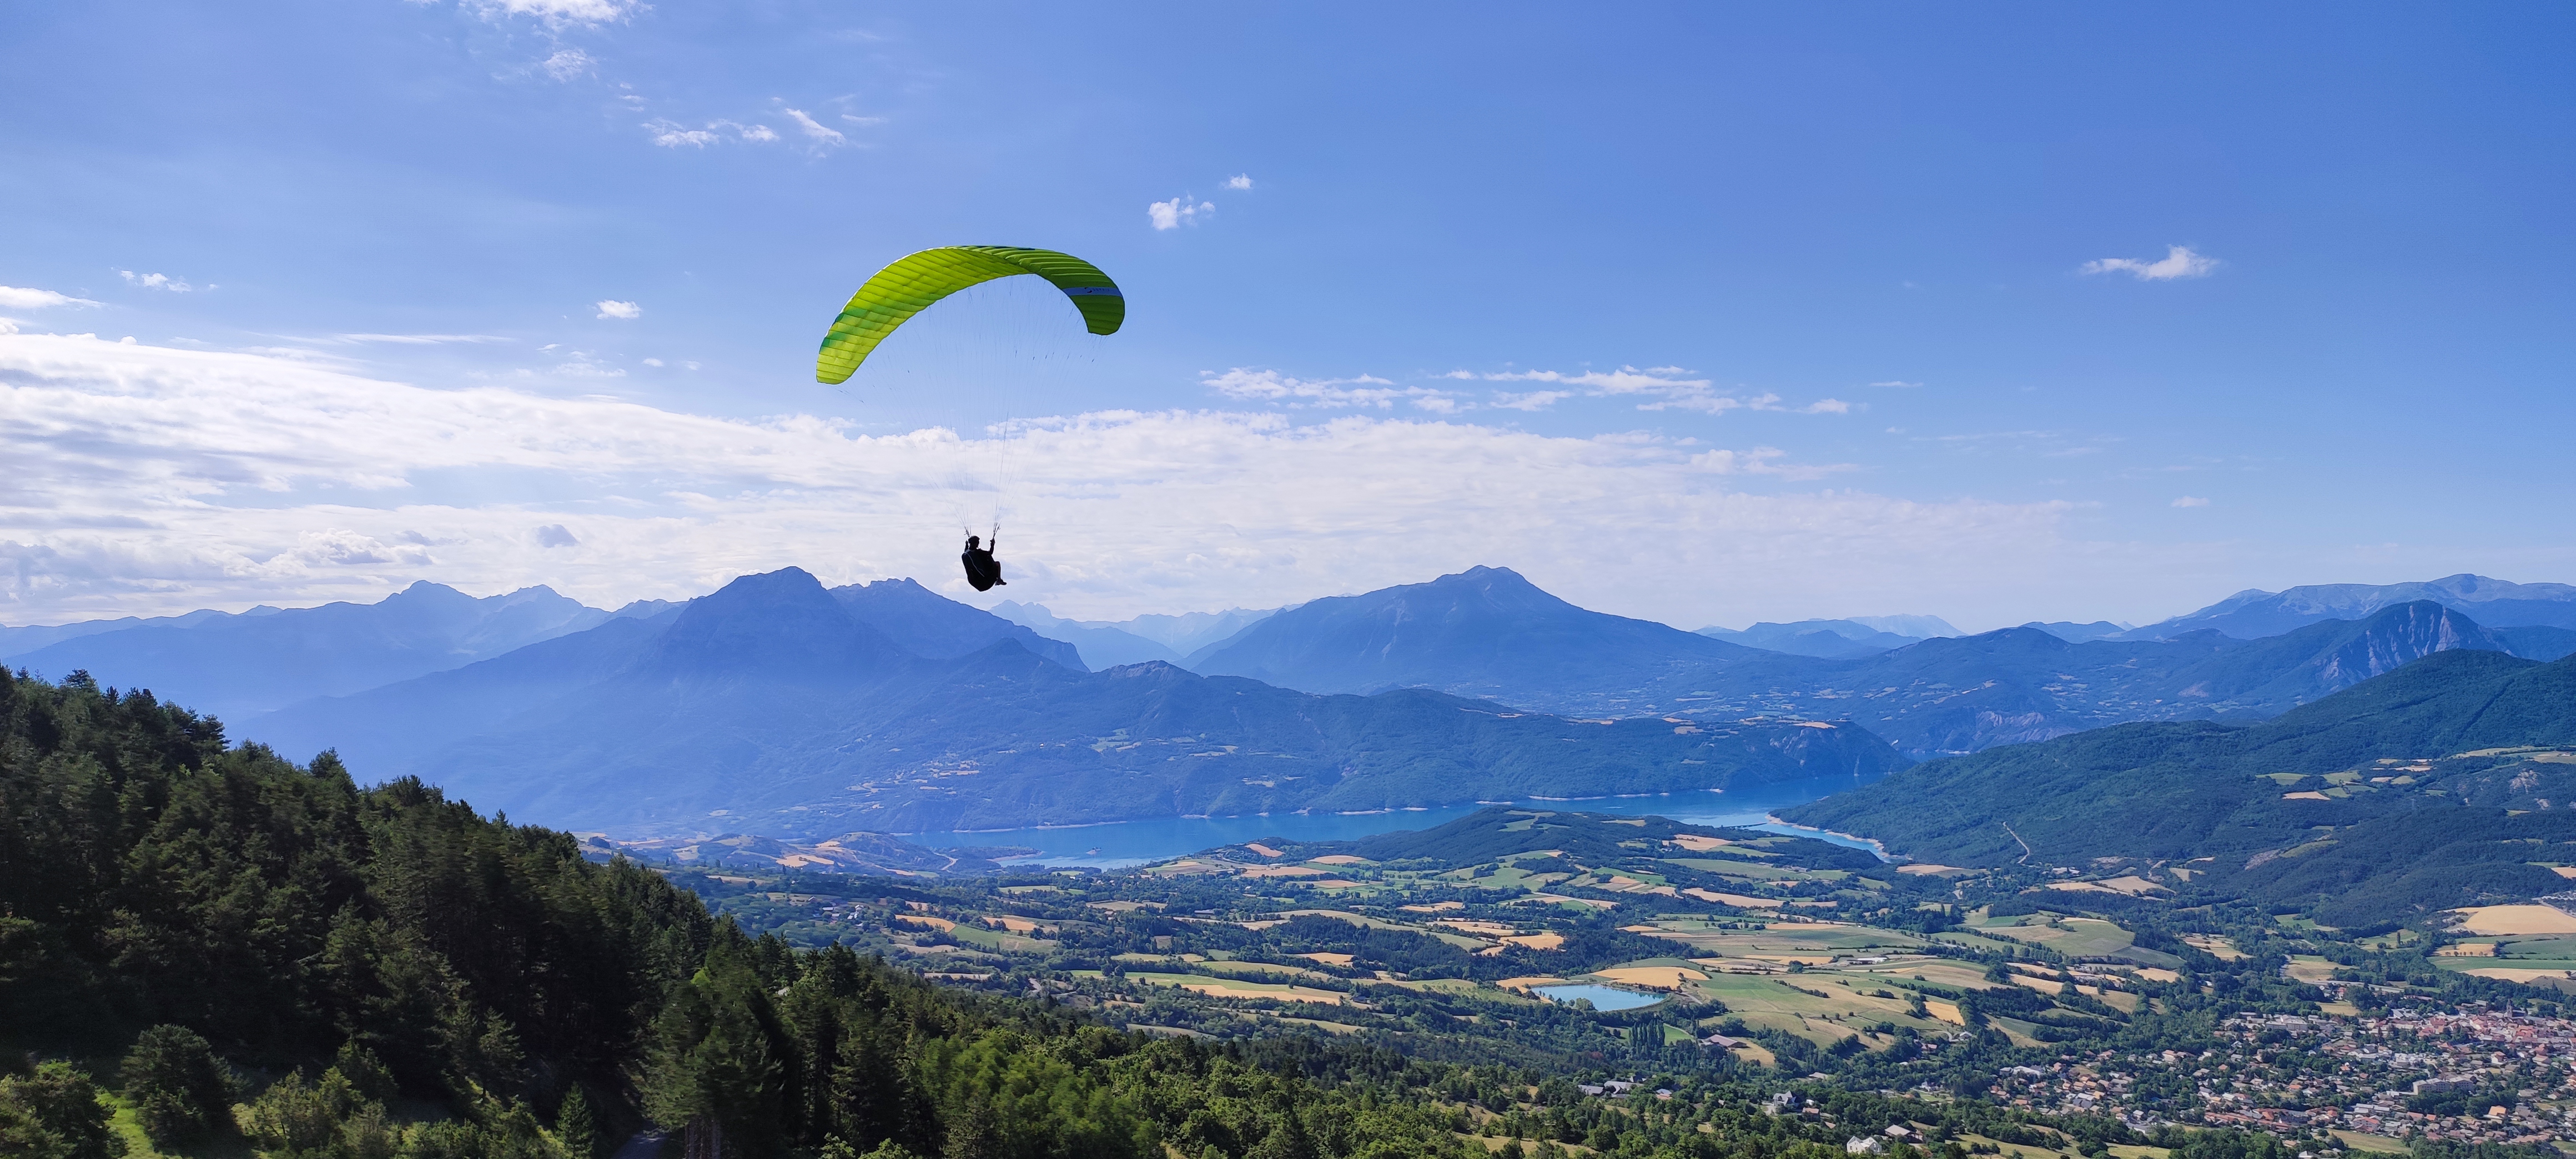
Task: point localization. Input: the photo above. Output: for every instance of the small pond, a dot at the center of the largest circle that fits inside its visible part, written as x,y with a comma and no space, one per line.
1603,997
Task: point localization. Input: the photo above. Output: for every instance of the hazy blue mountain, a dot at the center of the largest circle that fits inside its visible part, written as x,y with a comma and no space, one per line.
2539,643
1485,632
2494,603
1830,638
2388,800
18,641
1920,627
235,666
2074,633
2019,685
1191,631
927,624
386,730
1102,646
768,708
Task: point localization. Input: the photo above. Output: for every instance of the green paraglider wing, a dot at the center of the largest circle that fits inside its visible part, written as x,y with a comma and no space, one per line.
912,283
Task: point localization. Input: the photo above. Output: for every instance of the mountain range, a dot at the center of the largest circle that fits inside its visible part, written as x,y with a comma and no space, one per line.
232,665
1489,633
769,707
2495,603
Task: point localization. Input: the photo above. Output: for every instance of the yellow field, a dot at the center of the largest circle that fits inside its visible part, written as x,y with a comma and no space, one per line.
1652,977
2215,946
2310,968
2515,919
2510,974
1239,988
1739,901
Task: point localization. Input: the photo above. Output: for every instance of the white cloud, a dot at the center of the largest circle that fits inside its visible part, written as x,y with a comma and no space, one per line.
1535,400
672,134
824,135
1625,380
1239,181
1897,383
1662,387
566,64
155,281
2178,262
616,309
22,298
422,339
1363,391
652,362
1178,212
2191,501
557,14
145,479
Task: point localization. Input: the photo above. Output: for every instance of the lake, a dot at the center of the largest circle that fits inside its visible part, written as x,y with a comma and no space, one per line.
1131,843
1602,997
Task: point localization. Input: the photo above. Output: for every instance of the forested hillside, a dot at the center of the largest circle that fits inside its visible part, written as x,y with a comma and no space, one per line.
2444,783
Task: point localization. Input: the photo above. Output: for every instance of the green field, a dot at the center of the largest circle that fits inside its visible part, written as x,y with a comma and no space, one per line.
2074,937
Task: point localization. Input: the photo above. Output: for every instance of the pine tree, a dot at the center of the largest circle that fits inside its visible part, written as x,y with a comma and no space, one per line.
574,1128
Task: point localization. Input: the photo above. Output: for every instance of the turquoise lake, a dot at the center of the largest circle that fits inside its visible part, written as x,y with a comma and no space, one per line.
1131,843
1602,997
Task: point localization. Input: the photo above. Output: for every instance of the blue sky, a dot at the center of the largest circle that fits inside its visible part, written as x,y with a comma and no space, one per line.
1811,285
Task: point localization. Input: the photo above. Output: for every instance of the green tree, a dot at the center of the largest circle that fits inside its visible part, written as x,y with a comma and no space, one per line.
180,1090
720,1054
574,1127
55,1114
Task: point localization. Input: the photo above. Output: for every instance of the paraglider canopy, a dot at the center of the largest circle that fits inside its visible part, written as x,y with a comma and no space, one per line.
912,283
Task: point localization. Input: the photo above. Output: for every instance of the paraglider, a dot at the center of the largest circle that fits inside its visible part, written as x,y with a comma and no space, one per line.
915,282
982,570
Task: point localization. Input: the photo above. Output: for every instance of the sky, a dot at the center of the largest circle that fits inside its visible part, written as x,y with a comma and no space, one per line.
1706,314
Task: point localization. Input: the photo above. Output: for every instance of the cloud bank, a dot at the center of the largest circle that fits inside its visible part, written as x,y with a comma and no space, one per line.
146,479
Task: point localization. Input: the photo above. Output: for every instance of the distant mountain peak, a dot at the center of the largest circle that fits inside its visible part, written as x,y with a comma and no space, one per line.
1486,632
780,622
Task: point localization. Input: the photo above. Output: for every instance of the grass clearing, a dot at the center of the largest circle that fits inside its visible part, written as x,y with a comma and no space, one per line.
1810,1007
